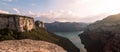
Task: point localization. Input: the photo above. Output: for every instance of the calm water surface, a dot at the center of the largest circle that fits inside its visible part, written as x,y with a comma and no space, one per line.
73,36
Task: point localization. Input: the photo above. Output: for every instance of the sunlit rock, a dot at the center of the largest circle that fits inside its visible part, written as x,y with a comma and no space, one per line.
16,22
28,45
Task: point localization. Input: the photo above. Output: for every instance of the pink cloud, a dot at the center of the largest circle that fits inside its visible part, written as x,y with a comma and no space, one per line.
16,10
65,16
2,11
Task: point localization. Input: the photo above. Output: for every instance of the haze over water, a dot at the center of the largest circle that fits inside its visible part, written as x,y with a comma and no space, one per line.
73,36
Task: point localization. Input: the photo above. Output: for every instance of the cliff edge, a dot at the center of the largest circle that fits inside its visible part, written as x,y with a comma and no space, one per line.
103,35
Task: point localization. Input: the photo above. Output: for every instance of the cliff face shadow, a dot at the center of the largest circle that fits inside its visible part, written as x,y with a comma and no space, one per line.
103,35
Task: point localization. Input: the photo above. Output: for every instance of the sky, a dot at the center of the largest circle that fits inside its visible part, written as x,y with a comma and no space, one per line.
62,10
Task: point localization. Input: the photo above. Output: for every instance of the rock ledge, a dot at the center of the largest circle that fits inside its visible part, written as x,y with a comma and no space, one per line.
28,45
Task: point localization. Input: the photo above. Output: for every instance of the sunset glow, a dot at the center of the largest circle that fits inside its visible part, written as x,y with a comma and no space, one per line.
62,10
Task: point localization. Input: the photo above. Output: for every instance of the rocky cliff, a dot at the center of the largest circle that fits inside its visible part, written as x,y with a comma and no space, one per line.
28,45
16,22
33,32
103,35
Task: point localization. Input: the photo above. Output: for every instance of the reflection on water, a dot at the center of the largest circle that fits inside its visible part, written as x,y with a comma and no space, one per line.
73,36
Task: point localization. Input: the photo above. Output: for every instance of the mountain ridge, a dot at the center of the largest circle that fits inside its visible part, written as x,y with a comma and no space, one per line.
65,26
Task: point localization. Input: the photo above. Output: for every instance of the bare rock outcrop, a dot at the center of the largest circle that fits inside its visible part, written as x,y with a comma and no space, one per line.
28,45
16,22
103,35
39,24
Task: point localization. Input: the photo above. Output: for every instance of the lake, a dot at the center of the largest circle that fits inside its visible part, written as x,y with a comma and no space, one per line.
74,38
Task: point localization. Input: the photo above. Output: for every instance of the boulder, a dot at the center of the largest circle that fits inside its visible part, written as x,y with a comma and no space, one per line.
28,45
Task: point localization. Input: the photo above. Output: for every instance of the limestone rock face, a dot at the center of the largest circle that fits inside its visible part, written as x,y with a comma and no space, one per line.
25,24
103,35
16,22
28,45
39,24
